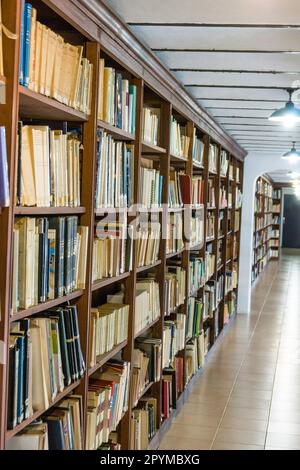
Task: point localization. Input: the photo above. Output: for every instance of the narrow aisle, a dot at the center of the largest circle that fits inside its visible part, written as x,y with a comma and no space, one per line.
249,394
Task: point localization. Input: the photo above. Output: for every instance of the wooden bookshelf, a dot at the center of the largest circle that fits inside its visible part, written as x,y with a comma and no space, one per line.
146,73
264,248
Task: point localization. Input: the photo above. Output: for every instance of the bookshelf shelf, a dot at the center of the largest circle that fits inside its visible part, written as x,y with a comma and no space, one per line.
35,211
148,148
145,390
36,106
176,159
109,280
142,269
46,305
103,359
173,255
118,134
60,396
147,328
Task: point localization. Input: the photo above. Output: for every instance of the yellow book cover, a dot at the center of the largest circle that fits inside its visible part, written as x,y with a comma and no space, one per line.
32,53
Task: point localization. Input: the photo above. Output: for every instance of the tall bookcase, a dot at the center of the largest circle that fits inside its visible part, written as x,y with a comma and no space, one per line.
84,23
266,236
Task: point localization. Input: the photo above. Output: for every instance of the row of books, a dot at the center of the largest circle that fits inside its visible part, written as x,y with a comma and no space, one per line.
48,172
263,221
49,259
196,350
175,285
146,365
151,125
179,140
196,273
51,66
115,172
117,98
209,300
224,164
198,187
4,183
210,260
213,158
231,281
147,303
107,402
211,193
172,386
276,208
229,307
194,317
112,249
175,241
148,243
276,194
198,149
210,225
223,203
143,423
45,356
151,183
173,339
59,429
196,236
108,328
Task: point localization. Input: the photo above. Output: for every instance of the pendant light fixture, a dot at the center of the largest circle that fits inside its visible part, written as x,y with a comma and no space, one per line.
288,115
292,154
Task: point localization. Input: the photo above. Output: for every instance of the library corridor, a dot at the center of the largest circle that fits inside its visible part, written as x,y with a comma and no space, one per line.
249,395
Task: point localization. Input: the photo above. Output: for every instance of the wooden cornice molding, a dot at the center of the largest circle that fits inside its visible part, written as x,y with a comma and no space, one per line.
99,22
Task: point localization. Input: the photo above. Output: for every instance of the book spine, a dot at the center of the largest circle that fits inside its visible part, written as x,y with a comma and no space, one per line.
27,29
25,326
21,72
20,406
4,185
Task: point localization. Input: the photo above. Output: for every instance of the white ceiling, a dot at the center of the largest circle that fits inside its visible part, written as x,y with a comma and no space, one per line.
235,57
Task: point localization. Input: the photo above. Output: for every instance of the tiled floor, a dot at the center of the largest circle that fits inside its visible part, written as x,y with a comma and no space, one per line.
249,394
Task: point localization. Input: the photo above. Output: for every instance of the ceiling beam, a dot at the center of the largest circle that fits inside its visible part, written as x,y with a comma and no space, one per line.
243,87
224,51
214,25
239,71
239,99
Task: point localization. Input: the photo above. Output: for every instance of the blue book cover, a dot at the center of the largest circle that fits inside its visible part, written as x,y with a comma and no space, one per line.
21,72
132,90
4,185
20,400
27,28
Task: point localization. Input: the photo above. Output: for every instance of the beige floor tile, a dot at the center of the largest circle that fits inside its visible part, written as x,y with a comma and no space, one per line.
197,419
283,441
241,436
173,443
203,408
247,413
232,446
251,394
285,427
245,424
249,402
191,431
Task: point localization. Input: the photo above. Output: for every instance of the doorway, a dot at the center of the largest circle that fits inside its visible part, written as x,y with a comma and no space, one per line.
291,222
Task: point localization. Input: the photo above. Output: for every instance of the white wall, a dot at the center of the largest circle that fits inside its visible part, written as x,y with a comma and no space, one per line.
255,166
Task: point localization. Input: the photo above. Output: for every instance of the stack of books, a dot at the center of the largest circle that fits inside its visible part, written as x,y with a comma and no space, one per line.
198,150
194,317
175,284
60,429
112,249
173,339
48,171
148,243
210,225
146,366
147,304
224,163
211,194
117,99
46,60
150,186
151,125
175,241
45,356
196,273
108,393
179,140
108,328
49,259
143,423
4,184
115,172
210,260
213,158
197,190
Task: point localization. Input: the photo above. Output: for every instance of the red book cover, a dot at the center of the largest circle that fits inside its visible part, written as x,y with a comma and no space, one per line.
185,187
